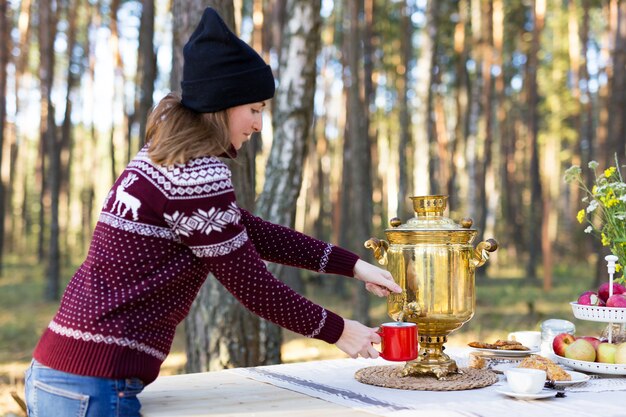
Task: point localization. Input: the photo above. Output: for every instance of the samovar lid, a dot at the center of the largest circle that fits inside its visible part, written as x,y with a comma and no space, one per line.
430,222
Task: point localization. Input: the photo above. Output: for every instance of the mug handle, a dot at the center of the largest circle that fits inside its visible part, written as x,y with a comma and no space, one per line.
380,333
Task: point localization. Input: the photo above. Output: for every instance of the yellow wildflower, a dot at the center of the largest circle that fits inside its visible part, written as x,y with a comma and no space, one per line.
618,267
609,171
581,216
605,240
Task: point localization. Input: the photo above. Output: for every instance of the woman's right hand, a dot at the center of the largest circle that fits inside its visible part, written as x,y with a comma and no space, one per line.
377,281
356,340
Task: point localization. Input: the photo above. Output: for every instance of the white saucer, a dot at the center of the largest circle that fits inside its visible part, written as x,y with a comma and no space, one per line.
520,396
577,378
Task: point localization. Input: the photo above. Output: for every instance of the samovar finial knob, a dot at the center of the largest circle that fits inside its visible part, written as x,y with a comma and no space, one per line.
395,222
466,223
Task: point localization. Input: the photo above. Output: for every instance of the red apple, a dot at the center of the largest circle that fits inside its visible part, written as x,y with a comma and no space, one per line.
561,341
581,350
603,290
616,300
589,298
593,340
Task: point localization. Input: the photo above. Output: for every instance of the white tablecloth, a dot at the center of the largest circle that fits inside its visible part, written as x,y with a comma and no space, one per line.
334,381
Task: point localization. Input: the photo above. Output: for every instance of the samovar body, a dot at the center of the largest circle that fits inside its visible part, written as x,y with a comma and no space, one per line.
433,260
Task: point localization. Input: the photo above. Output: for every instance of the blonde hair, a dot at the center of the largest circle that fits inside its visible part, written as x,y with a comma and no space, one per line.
176,134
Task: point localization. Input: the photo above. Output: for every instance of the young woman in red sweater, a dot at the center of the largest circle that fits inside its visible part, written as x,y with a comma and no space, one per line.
170,219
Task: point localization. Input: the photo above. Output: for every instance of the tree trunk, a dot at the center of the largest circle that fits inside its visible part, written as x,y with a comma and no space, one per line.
434,159
220,332
474,110
17,224
119,82
536,206
422,92
461,128
185,17
617,100
64,146
4,59
292,122
50,179
360,190
405,145
485,177
146,69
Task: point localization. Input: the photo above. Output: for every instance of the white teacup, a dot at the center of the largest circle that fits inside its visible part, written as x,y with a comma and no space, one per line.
524,380
528,338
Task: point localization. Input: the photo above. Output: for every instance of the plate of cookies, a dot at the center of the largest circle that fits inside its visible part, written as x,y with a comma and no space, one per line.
503,348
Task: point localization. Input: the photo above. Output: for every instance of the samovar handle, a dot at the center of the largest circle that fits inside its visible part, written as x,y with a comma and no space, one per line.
379,247
481,252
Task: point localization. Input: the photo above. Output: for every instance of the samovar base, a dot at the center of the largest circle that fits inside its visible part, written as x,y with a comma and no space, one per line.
431,360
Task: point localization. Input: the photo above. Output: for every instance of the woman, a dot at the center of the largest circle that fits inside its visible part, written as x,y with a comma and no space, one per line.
171,219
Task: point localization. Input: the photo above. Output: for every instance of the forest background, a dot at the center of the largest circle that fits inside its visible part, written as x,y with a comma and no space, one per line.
487,101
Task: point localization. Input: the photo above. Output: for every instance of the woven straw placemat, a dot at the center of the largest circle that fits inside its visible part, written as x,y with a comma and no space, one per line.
391,377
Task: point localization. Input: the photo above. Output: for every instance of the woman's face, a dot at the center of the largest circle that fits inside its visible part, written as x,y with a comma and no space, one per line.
243,121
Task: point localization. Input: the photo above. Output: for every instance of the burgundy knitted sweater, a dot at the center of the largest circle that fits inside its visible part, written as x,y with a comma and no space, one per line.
160,232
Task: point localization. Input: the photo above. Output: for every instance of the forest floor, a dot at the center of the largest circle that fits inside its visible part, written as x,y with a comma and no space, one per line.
503,304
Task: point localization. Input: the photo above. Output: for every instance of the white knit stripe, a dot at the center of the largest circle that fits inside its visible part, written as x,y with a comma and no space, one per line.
109,340
321,325
137,228
221,248
324,260
209,179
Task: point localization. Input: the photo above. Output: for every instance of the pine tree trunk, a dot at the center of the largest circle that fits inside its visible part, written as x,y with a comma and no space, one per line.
536,207
422,92
617,101
292,122
185,16
64,147
47,34
4,58
485,171
434,159
17,224
359,193
146,69
461,100
220,332
405,145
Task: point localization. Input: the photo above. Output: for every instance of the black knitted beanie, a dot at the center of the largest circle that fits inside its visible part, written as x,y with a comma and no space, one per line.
220,70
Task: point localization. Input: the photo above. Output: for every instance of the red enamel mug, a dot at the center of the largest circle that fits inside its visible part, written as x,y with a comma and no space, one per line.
399,341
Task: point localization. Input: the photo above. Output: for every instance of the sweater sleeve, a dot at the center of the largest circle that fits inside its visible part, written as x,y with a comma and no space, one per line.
280,244
211,227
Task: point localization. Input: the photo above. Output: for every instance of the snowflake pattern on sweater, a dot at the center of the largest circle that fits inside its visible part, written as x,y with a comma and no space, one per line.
160,232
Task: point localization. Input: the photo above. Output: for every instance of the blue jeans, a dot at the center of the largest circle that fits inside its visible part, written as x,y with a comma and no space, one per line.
52,393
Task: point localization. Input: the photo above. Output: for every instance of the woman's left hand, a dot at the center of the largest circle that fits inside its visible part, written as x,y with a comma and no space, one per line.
377,281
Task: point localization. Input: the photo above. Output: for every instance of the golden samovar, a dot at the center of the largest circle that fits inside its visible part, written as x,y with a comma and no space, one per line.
432,258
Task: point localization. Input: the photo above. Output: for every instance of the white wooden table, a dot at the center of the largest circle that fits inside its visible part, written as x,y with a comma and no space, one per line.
328,388
225,393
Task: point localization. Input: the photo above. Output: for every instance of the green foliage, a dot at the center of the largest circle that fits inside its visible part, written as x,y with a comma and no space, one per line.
605,211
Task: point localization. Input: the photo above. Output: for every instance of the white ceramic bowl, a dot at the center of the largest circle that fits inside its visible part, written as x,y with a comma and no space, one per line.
524,380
